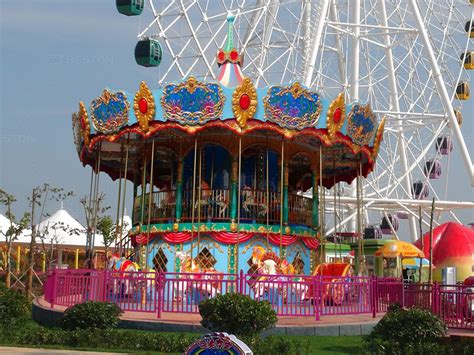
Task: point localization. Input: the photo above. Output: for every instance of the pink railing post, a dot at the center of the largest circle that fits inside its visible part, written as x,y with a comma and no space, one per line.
316,296
435,298
158,290
241,281
373,286
403,294
104,287
53,286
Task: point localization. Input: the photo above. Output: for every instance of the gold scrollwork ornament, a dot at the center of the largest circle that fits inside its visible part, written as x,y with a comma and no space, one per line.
144,107
336,115
85,124
378,137
244,102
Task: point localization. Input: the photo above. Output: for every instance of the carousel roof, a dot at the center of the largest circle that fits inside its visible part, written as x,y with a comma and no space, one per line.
344,134
449,240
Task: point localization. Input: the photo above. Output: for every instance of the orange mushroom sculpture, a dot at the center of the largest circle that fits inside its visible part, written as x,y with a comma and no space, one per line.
453,245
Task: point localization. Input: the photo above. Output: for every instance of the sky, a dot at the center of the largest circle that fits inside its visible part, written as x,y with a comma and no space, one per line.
54,54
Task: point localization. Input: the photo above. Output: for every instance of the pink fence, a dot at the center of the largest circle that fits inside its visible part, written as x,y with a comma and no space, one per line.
289,295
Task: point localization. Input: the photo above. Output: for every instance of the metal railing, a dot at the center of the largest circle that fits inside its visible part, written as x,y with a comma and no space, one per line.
289,295
300,209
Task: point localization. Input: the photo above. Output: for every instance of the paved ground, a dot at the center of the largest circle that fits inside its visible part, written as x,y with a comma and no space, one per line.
195,319
12,350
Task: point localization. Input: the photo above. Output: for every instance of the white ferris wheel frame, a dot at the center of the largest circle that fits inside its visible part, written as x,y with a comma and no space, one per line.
313,34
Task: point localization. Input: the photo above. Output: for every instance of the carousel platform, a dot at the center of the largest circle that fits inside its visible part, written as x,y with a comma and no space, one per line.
334,325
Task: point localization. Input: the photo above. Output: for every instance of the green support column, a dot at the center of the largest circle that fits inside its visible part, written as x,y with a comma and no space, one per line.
234,189
179,191
286,172
315,211
232,267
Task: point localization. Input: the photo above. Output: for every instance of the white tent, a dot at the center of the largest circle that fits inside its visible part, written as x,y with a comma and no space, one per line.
24,237
4,224
62,228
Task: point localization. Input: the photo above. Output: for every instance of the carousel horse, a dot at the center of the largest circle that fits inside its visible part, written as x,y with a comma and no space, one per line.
206,289
208,200
267,280
298,286
121,266
251,201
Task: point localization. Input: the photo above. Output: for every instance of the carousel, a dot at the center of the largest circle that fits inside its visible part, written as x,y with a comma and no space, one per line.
225,175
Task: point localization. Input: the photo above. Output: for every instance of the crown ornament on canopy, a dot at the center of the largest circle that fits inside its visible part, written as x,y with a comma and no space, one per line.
229,53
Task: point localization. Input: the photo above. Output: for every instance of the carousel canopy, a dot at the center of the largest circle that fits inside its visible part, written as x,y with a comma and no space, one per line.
347,137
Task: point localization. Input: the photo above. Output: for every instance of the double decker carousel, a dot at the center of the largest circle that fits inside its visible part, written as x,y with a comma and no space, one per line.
225,174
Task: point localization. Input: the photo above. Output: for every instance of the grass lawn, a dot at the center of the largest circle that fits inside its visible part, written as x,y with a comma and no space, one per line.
306,344
329,344
323,345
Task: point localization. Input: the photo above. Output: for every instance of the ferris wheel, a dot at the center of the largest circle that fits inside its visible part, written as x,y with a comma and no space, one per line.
409,59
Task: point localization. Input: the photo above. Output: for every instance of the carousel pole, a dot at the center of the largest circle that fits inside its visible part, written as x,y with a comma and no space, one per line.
193,212
315,212
142,215
335,217
362,212
89,216
118,200
199,200
359,234
268,196
239,188
420,221
123,195
142,202
152,162
321,205
282,181
96,202
213,197
286,172
179,185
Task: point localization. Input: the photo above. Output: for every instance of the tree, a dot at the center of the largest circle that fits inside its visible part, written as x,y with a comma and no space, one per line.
106,227
39,196
92,210
14,230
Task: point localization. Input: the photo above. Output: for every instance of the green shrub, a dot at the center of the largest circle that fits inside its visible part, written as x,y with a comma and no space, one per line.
104,339
14,307
236,314
403,331
101,315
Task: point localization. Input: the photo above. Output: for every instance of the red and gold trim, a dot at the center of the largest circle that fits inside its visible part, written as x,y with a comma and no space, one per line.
85,123
144,107
336,116
244,102
378,138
